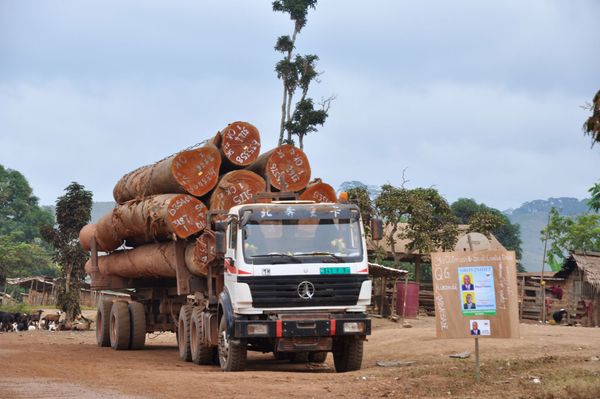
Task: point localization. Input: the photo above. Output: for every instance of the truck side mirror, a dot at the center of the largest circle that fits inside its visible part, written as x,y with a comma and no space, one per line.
220,243
376,229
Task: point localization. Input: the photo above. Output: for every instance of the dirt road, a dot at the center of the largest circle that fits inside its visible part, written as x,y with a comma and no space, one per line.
40,364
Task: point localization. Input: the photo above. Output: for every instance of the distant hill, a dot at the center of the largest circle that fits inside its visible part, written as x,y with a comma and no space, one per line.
532,217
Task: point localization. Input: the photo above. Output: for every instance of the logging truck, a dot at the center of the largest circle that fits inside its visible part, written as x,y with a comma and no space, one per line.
286,277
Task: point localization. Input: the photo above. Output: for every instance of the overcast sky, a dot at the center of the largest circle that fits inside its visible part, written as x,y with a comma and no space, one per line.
480,99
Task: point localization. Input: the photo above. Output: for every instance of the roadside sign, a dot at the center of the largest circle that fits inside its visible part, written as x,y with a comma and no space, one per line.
475,294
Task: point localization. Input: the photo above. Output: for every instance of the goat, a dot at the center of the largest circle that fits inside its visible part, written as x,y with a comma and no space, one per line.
51,318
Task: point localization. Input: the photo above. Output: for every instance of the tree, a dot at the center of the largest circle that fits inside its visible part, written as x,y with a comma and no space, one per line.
594,201
591,126
20,214
360,197
486,220
22,259
430,223
570,234
73,211
297,72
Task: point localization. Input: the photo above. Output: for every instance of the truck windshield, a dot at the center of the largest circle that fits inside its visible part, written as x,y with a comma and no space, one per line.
302,241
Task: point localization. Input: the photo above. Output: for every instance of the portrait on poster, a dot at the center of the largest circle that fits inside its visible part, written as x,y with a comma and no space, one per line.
480,327
477,291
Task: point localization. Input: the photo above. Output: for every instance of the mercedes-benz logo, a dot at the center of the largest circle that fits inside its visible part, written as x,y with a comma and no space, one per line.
306,290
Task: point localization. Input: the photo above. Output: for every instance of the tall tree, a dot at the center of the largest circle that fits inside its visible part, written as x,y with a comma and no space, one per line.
297,72
430,223
73,211
565,234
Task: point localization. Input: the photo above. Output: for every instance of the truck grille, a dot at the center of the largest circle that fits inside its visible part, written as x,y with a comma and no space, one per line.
282,291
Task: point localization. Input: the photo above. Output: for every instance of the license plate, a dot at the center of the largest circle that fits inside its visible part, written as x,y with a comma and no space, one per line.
335,270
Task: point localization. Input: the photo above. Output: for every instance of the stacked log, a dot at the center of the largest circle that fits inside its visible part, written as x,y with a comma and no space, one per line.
169,200
319,192
194,171
285,167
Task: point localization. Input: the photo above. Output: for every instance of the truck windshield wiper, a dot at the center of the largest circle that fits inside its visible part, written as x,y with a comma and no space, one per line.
334,256
278,255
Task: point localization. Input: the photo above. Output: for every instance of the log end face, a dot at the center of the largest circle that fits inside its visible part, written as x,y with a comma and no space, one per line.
186,215
197,170
86,235
319,192
240,143
236,188
288,168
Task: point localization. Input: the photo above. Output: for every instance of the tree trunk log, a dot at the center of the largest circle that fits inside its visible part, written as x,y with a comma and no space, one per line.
236,188
319,192
199,255
239,144
156,218
286,167
86,235
149,261
193,171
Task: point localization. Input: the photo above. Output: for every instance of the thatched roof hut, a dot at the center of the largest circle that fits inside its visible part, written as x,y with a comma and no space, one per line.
587,262
581,271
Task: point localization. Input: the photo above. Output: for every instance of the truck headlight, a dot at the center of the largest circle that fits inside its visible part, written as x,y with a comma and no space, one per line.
257,329
354,327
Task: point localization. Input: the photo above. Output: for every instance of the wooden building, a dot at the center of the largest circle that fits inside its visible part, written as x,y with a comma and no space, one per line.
534,291
581,273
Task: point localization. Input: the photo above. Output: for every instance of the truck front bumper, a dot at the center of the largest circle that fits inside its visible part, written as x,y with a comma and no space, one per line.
299,328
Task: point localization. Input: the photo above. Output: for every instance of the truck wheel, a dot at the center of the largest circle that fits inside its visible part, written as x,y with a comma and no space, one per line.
201,353
138,325
232,352
280,355
183,333
347,353
120,331
103,323
317,357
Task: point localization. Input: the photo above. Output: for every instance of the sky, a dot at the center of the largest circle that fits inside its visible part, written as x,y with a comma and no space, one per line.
478,99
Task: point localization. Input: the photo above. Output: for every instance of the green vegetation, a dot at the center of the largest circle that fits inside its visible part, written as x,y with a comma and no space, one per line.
568,234
73,211
297,72
486,220
22,251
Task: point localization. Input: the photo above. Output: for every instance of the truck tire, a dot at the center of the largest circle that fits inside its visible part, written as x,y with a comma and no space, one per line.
120,326
137,315
317,357
232,352
103,323
201,353
347,353
183,333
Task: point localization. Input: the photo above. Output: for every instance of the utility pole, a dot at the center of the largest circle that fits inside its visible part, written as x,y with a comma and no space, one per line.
542,282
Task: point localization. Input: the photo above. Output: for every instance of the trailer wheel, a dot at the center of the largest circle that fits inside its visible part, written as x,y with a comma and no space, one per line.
201,353
232,352
138,325
347,353
103,323
183,333
120,327
317,357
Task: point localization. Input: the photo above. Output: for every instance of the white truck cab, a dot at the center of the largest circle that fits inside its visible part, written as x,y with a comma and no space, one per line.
295,283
